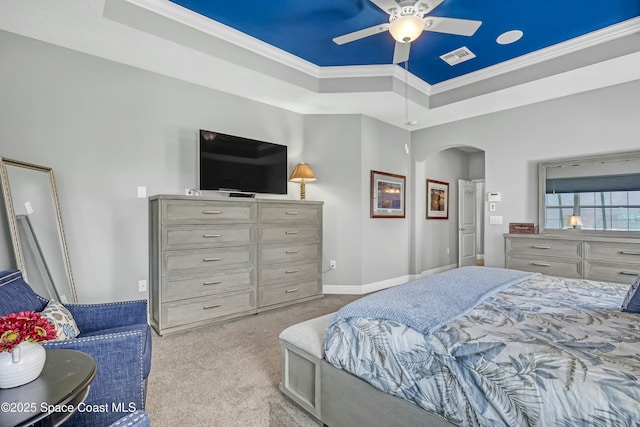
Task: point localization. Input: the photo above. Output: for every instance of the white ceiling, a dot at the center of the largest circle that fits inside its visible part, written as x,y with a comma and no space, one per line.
158,36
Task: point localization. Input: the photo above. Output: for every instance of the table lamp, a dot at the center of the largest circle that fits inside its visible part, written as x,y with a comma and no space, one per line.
302,174
574,221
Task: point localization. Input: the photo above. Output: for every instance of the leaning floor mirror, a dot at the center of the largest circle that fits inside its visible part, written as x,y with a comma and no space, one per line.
35,225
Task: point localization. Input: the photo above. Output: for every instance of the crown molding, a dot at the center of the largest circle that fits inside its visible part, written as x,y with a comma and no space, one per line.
604,35
223,32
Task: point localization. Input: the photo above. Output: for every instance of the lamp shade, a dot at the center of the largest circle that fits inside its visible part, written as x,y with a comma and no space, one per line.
406,28
302,173
574,220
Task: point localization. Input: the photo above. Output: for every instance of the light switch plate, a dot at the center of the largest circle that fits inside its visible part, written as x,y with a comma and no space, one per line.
495,220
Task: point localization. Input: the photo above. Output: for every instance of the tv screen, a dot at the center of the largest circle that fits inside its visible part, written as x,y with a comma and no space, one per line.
233,163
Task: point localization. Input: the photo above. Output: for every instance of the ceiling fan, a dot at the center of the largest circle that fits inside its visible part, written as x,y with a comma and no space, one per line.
407,20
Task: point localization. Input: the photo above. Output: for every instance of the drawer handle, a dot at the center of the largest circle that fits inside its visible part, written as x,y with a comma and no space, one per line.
629,253
540,247
290,252
211,259
292,213
629,273
215,282
211,235
209,307
291,232
541,264
212,212
288,291
291,271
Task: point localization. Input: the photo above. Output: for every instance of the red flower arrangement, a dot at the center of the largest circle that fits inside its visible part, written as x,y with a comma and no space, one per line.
30,326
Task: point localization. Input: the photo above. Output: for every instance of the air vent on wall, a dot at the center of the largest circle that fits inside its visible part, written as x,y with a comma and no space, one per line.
457,56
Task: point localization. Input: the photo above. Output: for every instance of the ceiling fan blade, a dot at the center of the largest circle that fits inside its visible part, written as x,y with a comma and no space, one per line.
360,34
401,52
461,27
426,6
387,6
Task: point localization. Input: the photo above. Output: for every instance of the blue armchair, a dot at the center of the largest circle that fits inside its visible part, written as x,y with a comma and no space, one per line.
116,335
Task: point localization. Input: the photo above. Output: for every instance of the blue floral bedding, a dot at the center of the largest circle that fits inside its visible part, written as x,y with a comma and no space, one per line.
545,352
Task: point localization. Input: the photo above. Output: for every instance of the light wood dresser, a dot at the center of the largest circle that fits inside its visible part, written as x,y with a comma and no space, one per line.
611,259
215,259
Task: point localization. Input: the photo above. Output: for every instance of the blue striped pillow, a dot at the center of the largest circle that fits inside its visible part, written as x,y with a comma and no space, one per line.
631,302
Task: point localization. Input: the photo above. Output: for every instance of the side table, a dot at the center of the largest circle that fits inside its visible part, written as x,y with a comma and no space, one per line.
52,397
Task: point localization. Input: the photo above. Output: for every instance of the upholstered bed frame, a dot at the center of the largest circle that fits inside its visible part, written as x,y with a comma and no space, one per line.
335,397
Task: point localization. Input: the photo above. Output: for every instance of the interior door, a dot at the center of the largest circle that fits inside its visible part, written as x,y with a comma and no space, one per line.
466,223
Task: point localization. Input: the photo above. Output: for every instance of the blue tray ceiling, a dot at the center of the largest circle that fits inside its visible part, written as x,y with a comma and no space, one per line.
305,28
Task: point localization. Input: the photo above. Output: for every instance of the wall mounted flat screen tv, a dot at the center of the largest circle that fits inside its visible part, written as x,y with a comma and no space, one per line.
236,164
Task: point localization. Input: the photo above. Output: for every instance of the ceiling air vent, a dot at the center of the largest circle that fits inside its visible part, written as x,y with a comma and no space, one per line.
457,56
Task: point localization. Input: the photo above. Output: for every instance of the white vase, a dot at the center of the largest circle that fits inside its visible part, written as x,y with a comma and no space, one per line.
22,365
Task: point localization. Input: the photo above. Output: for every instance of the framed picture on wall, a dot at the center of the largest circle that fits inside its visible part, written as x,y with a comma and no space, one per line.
437,199
387,195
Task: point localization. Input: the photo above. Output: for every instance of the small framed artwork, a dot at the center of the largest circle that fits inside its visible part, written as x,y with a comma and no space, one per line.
387,195
437,199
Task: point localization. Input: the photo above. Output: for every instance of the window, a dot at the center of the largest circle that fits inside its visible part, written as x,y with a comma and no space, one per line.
598,210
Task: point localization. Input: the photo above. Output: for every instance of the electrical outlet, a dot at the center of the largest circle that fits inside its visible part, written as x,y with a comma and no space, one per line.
332,264
142,192
142,286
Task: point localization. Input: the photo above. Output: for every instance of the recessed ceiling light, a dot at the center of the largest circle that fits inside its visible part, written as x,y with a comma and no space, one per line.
509,37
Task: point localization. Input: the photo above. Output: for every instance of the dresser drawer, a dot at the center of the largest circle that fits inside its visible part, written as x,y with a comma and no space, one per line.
290,213
277,254
270,295
182,287
205,212
202,260
612,272
552,248
294,272
205,308
616,252
202,236
544,265
289,233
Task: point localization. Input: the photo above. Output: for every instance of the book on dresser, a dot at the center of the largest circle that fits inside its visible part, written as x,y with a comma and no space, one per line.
214,259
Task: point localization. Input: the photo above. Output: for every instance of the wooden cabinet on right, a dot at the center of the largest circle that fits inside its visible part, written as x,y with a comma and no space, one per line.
611,259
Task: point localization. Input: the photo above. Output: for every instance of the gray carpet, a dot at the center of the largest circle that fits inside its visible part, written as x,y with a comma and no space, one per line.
228,374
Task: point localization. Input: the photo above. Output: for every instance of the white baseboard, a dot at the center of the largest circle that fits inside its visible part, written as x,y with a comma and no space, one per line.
377,286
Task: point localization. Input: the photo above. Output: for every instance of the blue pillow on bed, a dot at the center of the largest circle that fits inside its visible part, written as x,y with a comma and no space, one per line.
631,302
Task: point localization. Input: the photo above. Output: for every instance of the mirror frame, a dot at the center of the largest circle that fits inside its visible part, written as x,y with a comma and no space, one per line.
578,161
13,226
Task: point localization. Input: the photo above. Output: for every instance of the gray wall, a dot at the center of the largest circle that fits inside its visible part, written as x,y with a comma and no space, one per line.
437,239
106,129
596,122
386,243
345,149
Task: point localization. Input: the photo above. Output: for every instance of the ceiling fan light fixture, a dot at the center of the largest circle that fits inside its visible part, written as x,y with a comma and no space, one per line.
406,28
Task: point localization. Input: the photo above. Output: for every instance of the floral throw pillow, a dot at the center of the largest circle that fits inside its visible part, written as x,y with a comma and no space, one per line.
631,302
62,320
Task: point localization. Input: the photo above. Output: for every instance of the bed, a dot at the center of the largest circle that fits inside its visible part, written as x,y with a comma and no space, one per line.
479,346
